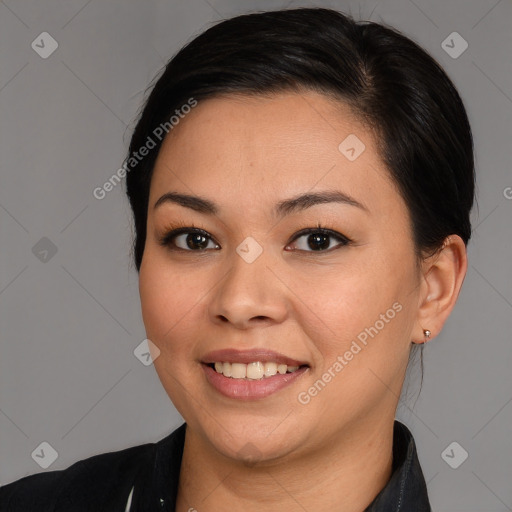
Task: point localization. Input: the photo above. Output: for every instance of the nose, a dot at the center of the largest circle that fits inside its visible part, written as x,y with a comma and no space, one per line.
250,294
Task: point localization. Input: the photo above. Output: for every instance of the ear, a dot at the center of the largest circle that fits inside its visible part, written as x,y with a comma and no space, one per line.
442,276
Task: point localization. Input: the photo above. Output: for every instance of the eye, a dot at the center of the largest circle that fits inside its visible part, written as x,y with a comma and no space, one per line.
192,239
188,239
319,240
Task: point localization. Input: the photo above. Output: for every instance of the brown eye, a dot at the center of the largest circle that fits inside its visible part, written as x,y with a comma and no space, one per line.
319,240
188,239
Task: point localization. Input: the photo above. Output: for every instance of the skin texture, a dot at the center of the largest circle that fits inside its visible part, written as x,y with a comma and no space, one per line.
246,154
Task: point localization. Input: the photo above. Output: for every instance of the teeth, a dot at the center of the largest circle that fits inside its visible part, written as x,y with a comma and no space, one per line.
270,369
253,371
238,370
226,369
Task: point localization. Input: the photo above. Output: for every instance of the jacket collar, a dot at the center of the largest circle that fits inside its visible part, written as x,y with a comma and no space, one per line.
157,488
406,490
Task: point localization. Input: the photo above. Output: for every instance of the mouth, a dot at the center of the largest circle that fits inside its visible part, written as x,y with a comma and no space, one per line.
255,370
251,374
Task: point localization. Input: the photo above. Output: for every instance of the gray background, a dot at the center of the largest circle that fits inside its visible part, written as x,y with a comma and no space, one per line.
71,321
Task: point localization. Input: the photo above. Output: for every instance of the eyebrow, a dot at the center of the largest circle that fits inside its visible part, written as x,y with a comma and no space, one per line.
281,209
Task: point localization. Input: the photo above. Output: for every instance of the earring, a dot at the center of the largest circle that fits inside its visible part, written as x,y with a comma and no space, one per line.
427,334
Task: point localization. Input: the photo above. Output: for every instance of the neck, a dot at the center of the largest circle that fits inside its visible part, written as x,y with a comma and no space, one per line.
344,473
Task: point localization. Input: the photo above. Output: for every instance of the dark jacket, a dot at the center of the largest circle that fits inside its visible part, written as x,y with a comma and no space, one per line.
145,478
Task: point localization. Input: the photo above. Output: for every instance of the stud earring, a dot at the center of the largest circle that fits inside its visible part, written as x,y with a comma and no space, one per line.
427,334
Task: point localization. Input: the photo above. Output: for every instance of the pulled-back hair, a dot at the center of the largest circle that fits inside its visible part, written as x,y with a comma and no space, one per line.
392,85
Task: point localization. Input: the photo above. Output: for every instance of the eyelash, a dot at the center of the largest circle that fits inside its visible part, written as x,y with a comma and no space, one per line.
180,228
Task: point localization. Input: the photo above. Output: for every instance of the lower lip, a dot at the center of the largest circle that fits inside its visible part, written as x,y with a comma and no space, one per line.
248,389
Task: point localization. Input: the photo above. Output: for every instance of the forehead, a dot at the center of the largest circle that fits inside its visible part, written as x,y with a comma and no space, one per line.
254,148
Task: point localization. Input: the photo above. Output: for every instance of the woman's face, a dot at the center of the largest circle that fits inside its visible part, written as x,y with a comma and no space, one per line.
341,306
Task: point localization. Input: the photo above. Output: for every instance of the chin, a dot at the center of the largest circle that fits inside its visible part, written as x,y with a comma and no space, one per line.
250,444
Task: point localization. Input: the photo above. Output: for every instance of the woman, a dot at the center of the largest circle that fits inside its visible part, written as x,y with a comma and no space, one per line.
301,185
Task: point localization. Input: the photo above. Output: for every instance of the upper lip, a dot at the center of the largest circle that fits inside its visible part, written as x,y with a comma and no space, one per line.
232,355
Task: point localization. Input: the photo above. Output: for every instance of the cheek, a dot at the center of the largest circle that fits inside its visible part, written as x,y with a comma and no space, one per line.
362,310
168,298
358,325
169,301
351,297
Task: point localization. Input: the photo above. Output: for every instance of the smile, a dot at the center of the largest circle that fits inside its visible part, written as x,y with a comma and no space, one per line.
242,387
254,371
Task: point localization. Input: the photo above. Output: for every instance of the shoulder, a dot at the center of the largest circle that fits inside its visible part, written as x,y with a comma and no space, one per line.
100,482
